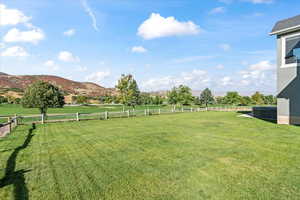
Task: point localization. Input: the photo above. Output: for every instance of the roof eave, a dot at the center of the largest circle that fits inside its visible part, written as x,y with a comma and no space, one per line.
287,30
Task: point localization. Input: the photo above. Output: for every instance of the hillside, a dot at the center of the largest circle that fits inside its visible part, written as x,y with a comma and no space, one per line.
19,83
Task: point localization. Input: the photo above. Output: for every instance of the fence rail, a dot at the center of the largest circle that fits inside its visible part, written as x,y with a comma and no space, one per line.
12,122
6,128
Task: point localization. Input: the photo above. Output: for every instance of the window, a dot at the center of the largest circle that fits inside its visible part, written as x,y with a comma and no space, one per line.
292,52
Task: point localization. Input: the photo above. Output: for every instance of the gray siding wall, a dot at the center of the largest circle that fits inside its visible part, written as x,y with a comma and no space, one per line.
288,87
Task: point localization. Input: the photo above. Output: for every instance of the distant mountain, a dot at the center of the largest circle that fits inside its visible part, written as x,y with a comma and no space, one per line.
19,83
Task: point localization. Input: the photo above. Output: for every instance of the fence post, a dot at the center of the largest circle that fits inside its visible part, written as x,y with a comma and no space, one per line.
9,123
42,117
159,111
145,112
77,116
191,109
106,115
16,120
128,113
182,109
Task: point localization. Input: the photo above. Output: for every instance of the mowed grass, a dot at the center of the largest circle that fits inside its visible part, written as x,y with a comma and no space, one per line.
206,155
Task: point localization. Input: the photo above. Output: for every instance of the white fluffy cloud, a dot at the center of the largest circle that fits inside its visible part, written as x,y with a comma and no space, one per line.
225,47
157,26
138,49
11,16
50,64
194,79
225,81
15,51
258,72
217,10
33,36
67,56
98,77
70,32
262,66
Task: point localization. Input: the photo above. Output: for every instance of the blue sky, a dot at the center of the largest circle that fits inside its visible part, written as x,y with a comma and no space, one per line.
221,44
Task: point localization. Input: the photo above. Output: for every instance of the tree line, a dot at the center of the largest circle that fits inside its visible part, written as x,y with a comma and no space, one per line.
130,95
44,95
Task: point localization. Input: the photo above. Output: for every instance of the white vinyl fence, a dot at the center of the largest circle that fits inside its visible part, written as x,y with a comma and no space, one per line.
7,127
12,122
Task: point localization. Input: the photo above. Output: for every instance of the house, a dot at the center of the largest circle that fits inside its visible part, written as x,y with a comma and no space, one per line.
288,63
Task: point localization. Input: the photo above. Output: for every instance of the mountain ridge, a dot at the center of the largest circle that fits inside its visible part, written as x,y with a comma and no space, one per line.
68,86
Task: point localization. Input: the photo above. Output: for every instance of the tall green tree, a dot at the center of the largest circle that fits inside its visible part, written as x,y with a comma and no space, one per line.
158,100
197,101
220,100
185,96
269,100
258,98
145,99
129,93
173,96
42,95
246,101
206,97
232,98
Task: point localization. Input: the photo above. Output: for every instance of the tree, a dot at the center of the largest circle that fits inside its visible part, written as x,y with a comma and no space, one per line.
232,98
245,101
185,96
42,95
129,93
269,100
10,99
197,101
220,100
17,101
206,97
157,100
3,99
258,98
145,99
81,100
173,96
107,99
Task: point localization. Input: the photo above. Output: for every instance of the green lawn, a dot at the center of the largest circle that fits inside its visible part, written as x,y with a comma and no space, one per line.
205,155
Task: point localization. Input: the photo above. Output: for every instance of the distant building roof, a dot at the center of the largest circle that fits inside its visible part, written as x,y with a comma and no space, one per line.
286,25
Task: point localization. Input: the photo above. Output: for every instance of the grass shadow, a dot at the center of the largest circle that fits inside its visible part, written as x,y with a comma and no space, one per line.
274,121
16,178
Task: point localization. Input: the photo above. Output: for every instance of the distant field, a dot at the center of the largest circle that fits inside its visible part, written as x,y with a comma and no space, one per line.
205,155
